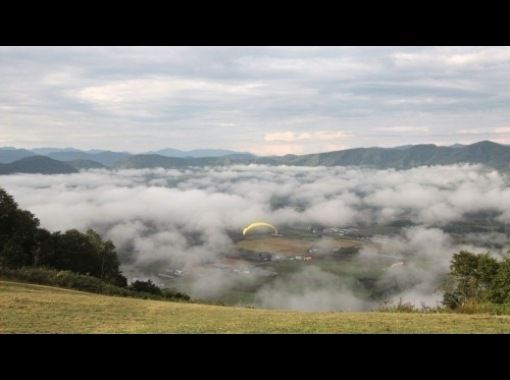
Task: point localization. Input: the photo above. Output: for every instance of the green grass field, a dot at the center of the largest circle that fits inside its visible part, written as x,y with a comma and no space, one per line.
26,308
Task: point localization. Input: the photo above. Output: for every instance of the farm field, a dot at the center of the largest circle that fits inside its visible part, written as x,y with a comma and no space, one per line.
288,246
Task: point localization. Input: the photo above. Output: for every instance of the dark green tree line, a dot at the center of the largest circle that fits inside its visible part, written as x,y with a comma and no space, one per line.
24,243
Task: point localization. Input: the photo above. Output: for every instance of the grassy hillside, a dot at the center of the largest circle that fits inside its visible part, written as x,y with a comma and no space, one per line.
36,308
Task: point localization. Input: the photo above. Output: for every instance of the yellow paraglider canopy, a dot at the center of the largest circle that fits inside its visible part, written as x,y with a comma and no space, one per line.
259,224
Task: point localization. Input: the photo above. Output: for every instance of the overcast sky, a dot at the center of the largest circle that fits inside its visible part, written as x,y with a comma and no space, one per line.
266,100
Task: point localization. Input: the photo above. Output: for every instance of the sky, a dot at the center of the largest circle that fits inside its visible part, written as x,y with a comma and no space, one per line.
264,100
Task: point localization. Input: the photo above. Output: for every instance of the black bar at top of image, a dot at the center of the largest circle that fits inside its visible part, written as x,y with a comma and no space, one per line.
253,26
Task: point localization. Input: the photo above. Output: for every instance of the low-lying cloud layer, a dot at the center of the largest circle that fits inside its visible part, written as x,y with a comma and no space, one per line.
161,218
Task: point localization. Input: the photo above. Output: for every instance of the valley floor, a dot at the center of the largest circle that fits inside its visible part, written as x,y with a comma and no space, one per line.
26,308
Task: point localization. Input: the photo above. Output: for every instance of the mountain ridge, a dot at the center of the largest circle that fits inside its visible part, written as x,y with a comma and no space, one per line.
106,157
37,165
486,152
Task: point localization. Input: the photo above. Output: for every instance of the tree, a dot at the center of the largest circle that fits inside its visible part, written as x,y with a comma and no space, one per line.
17,233
24,243
471,277
75,252
13,255
145,287
109,269
44,248
501,283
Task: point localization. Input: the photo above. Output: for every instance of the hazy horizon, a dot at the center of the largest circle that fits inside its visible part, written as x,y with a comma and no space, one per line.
154,151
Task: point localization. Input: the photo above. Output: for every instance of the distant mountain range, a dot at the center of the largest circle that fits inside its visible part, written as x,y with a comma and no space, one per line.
86,164
488,153
107,158
12,154
37,164
485,152
197,153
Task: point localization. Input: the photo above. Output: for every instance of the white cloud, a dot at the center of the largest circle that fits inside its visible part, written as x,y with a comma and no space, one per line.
454,57
289,136
276,149
339,67
288,142
401,129
160,88
502,130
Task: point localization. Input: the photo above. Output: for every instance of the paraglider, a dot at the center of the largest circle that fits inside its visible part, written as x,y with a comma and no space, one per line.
259,225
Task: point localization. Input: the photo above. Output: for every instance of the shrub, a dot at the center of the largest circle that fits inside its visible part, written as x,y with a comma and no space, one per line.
405,307
68,279
175,295
145,287
474,306
345,251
